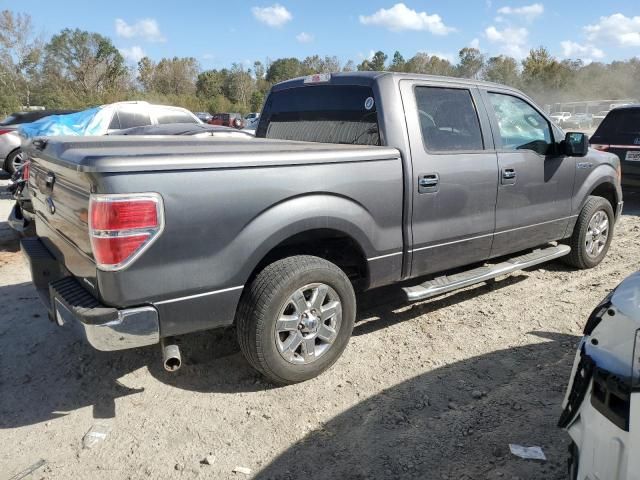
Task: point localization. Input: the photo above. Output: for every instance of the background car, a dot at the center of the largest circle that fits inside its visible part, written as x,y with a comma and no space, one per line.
560,117
204,116
579,120
603,397
227,120
10,153
619,133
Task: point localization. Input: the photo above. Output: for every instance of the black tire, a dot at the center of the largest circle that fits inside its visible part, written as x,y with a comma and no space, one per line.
579,256
8,163
262,303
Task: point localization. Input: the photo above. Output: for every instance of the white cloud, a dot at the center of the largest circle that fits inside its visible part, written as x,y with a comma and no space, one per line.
275,16
208,56
527,12
147,29
304,37
475,43
510,41
133,54
617,29
586,52
400,17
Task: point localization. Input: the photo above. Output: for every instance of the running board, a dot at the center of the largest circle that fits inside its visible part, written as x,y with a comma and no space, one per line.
448,283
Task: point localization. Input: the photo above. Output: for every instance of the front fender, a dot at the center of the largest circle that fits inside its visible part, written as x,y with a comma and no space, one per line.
602,174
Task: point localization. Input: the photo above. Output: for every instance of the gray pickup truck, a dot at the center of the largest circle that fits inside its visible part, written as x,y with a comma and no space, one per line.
354,181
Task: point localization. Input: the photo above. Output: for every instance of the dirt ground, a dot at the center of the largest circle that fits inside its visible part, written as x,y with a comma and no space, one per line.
433,390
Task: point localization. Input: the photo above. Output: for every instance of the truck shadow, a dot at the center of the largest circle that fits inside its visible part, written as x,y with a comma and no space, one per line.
631,203
452,422
46,370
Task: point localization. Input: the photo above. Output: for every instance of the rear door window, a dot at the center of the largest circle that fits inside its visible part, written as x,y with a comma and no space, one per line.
167,116
448,119
133,117
345,114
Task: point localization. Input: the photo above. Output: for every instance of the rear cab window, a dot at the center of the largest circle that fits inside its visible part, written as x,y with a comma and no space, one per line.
344,114
620,126
129,117
448,119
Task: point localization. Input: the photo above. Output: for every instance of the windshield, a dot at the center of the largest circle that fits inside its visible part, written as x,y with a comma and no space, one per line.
321,113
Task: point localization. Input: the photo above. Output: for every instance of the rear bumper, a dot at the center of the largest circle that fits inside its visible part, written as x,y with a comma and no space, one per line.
105,328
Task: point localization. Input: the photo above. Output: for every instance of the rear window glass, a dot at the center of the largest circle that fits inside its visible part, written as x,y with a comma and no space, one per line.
343,114
133,118
620,123
448,119
166,117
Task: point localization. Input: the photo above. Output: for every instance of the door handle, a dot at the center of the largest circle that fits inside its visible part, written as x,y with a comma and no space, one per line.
428,183
508,173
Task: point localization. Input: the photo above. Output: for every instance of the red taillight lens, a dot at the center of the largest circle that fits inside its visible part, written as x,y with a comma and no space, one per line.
26,167
4,130
115,250
124,215
601,147
121,227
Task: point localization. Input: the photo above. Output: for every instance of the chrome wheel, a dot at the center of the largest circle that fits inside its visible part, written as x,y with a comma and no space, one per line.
17,160
308,323
597,234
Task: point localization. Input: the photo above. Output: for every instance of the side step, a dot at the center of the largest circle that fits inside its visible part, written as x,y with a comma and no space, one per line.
448,283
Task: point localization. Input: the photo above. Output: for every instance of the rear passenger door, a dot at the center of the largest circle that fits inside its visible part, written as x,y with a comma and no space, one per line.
536,183
454,174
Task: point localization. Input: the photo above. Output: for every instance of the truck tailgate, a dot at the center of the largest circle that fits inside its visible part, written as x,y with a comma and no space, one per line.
60,198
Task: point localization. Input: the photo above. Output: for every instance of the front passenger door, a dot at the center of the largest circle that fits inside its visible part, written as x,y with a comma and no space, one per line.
535,183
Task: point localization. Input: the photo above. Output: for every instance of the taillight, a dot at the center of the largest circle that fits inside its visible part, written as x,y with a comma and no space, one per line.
26,167
122,227
4,130
600,146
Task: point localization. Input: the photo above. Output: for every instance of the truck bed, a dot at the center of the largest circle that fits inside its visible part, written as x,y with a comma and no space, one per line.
138,154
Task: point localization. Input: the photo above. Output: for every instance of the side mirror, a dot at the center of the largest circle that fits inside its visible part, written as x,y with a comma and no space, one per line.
576,144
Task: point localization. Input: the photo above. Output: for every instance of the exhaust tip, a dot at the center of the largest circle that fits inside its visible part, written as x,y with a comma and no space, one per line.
171,357
172,364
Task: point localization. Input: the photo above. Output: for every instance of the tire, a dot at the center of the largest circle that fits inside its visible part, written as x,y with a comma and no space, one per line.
10,164
271,318
580,256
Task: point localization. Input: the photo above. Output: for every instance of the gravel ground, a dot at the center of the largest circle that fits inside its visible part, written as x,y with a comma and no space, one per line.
433,390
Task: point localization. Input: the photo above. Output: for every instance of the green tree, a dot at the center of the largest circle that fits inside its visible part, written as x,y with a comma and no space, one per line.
85,64
284,69
470,64
20,56
375,64
398,63
502,69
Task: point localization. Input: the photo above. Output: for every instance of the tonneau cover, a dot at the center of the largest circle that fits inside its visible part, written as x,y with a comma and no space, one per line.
129,154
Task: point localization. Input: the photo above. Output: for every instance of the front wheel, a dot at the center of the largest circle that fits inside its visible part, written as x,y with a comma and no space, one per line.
592,234
14,161
295,319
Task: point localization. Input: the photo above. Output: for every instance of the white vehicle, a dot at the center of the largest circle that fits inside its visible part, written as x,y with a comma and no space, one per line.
560,117
602,405
251,125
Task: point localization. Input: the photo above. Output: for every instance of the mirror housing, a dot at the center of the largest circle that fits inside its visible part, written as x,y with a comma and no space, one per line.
575,144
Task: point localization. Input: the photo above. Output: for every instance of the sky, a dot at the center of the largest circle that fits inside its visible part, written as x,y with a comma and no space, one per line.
218,33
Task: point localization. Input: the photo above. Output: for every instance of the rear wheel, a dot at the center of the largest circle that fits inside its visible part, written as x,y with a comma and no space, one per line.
592,234
13,162
295,319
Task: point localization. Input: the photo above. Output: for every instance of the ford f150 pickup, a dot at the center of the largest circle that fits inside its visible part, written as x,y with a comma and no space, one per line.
355,181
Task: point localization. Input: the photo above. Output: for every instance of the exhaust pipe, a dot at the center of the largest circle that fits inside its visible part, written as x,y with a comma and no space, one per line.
171,358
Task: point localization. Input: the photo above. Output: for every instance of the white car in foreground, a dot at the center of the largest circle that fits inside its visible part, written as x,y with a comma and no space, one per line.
602,405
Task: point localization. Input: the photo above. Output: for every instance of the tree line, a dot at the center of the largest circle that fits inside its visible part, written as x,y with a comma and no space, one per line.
78,69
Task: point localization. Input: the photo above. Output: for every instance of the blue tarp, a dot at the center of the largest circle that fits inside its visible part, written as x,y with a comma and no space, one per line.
87,122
